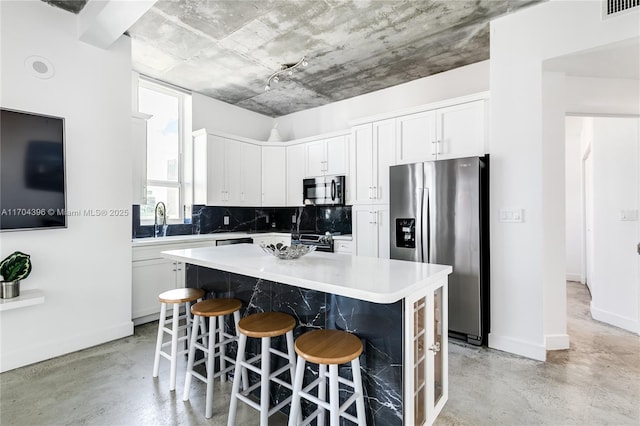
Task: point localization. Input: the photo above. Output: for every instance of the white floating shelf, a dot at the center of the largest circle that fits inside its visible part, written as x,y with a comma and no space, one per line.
26,298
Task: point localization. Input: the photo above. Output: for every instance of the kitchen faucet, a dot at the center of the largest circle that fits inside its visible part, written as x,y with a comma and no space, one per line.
160,210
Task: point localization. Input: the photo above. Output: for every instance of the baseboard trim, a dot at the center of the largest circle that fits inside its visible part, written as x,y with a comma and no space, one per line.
574,277
615,320
555,342
44,351
518,347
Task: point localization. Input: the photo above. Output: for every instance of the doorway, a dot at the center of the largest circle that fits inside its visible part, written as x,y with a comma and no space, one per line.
610,231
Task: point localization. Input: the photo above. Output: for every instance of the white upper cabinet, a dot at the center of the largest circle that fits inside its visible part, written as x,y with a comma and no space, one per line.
226,171
274,168
372,152
250,165
416,137
462,130
451,132
296,170
327,157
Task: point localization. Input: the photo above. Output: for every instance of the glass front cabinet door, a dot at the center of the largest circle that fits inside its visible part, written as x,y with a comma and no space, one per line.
426,368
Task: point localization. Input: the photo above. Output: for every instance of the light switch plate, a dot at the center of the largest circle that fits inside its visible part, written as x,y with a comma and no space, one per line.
629,215
225,220
511,215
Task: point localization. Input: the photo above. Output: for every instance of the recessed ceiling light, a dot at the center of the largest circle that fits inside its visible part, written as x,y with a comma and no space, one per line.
39,67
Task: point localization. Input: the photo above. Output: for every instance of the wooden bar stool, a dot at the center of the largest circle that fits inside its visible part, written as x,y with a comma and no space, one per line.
264,326
176,298
328,348
213,343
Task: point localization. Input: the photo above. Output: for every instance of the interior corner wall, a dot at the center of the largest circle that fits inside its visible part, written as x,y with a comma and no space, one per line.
212,114
336,116
521,275
574,222
85,269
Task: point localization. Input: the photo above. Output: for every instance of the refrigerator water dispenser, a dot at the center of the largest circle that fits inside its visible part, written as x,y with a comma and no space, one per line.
406,233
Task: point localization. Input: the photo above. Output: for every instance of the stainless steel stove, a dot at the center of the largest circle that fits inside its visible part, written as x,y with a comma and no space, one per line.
323,242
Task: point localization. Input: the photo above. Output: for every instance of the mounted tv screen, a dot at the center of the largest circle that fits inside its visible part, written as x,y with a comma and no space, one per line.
32,173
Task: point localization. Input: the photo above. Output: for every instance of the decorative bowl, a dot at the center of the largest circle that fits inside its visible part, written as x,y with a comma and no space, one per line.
282,251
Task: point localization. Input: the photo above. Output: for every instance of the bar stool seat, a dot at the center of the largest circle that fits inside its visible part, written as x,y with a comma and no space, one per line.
264,326
213,344
175,297
328,348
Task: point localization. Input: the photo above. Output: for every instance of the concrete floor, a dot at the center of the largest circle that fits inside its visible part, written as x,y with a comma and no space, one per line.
597,381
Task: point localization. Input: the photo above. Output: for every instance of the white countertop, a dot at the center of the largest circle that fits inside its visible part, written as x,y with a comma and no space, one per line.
140,242
365,278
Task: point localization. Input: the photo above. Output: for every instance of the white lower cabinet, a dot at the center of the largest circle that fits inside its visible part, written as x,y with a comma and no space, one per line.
151,274
426,355
272,239
150,278
370,226
342,246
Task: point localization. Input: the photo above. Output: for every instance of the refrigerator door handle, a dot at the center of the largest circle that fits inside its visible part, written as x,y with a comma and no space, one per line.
426,228
420,222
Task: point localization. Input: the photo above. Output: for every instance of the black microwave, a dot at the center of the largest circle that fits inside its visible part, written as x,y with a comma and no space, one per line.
323,191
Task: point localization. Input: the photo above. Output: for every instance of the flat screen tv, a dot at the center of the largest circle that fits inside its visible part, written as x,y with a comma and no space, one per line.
32,171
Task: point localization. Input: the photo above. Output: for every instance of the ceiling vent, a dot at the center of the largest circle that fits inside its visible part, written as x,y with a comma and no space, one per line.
612,8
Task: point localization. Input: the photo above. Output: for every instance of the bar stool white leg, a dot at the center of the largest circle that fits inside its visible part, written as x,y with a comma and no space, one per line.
244,374
174,346
190,358
296,411
242,344
223,362
161,321
357,379
322,390
265,367
292,354
334,402
211,359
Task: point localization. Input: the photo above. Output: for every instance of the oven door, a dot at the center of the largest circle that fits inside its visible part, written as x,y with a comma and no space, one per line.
323,191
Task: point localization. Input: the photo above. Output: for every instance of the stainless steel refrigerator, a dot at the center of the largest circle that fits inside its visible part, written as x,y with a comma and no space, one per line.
439,214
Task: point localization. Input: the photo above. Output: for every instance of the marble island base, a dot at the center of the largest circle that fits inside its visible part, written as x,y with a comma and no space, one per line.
378,325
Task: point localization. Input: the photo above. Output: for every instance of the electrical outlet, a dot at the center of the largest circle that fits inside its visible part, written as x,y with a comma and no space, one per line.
266,219
293,218
225,220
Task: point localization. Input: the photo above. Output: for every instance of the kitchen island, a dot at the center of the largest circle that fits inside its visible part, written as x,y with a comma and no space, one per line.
397,308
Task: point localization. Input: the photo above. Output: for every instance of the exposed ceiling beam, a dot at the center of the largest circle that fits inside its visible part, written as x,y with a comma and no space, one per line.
102,22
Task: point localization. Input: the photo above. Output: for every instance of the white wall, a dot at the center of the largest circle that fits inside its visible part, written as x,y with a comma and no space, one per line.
461,81
212,114
602,95
84,270
573,199
526,142
616,167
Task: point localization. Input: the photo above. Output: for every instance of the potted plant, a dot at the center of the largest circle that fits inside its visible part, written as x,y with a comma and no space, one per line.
15,267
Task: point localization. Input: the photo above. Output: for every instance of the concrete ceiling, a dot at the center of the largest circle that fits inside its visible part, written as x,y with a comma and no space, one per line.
228,49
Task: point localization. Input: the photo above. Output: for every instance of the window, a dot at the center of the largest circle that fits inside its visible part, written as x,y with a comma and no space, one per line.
165,136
